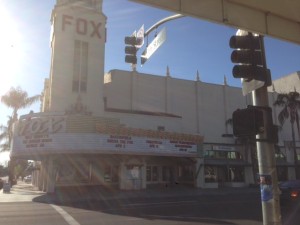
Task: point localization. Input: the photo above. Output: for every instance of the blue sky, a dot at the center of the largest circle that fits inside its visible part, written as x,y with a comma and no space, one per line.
191,45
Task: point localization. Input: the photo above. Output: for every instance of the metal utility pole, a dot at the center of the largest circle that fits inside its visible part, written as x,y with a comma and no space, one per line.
266,159
256,120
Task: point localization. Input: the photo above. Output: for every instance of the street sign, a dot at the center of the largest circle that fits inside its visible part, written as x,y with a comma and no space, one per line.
140,35
154,45
249,86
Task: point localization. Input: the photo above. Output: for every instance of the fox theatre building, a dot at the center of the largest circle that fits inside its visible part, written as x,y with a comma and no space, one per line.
124,129
76,150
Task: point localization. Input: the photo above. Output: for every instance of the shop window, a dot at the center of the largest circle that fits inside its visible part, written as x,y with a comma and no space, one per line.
111,173
210,174
152,173
222,154
279,156
165,173
186,173
148,173
107,171
115,174
209,154
236,174
133,172
234,155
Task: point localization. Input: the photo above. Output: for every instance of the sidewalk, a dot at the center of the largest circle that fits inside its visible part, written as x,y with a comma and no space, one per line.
23,192
20,192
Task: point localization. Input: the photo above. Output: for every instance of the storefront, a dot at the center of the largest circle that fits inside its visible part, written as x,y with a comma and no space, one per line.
96,151
226,165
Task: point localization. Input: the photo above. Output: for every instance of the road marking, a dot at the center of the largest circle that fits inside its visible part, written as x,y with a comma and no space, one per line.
67,217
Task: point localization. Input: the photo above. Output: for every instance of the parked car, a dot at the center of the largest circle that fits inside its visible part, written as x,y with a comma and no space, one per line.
290,192
27,179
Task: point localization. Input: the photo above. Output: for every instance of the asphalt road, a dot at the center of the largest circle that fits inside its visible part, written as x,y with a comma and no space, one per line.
147,211
227,209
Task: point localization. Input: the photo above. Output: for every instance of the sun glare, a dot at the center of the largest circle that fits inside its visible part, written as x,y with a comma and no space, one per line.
10,50
4,158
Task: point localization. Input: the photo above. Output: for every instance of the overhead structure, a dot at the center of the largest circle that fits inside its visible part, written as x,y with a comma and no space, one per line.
275,18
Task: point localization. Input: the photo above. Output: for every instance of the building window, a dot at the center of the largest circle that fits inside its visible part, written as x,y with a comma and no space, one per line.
236,174
185,173
210,174
222,154
80,68
111,174
152,173
166,173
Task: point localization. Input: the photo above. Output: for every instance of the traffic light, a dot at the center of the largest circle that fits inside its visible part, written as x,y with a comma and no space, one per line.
132,48
248,122
250,57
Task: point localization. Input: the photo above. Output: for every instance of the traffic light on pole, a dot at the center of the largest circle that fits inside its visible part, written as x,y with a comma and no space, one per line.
248,122
131,49
250,57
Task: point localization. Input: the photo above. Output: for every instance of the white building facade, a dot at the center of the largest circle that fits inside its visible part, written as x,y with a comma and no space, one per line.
129,130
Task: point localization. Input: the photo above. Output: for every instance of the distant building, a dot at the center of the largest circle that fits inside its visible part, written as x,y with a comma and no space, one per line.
130,130
287,83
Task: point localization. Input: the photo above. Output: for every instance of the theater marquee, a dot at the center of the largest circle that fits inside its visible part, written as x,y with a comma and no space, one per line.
93,143
47,135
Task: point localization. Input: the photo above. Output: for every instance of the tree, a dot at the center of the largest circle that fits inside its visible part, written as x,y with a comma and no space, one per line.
17,99
6,135
291,104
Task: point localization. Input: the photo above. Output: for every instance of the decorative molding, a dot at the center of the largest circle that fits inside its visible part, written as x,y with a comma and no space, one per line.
78,108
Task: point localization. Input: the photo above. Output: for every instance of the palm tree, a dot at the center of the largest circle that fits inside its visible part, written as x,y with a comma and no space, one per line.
6,135
290,103
18,99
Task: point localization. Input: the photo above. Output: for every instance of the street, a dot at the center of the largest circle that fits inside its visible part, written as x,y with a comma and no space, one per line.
240,207
166,210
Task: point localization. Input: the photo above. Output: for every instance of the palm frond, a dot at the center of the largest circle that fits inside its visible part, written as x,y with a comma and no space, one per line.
16,98
283,115
29,101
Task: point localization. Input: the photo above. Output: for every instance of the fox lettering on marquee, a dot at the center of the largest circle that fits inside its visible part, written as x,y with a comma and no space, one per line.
41,125
82,25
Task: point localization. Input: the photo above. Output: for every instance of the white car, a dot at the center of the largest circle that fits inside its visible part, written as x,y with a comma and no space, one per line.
27,179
